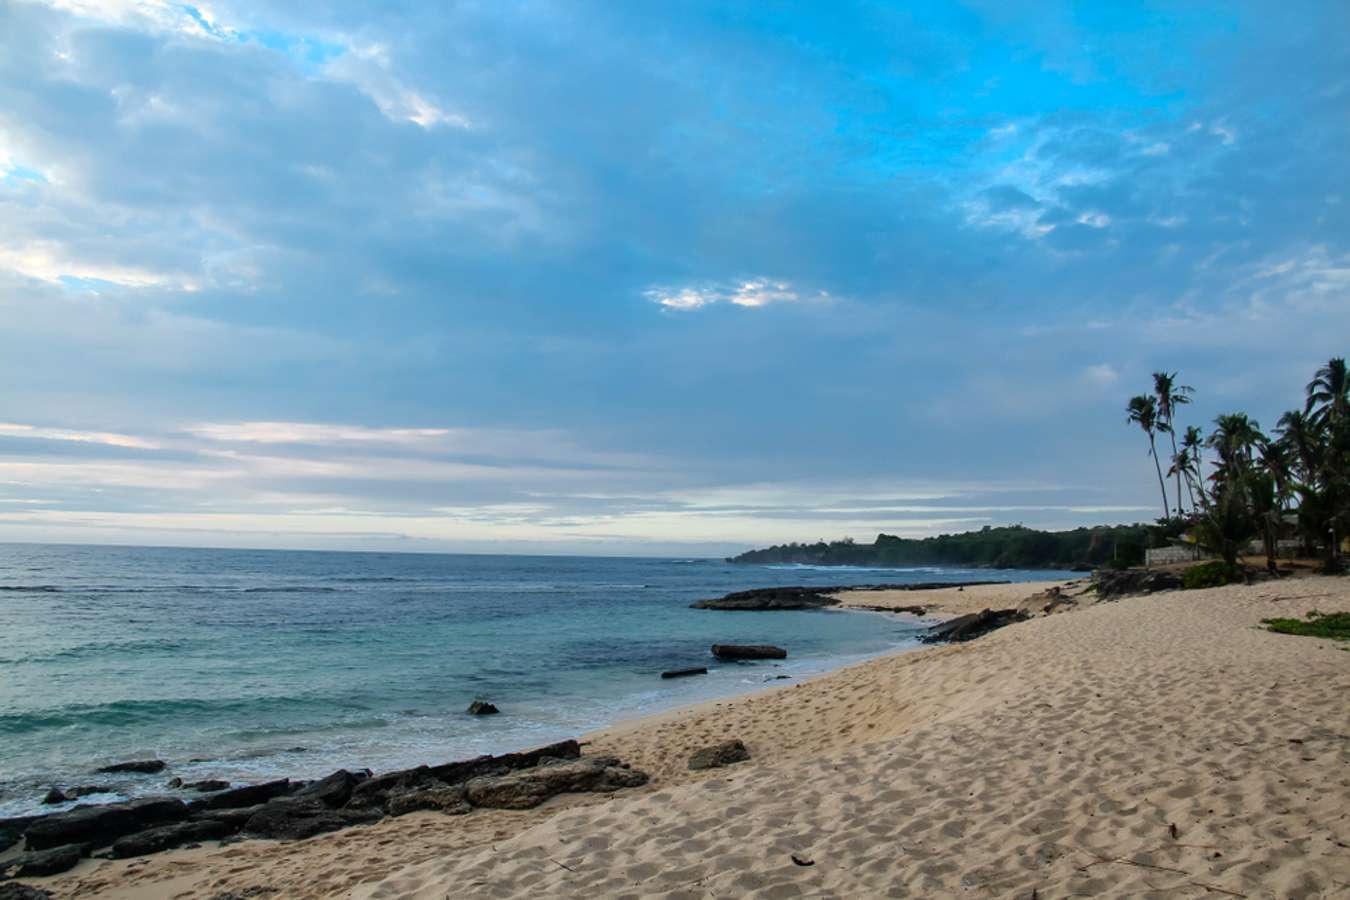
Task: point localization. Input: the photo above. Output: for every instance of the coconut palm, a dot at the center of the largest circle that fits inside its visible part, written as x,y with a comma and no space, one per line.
1193,443
1170,395
1143,411
1301,440
1236,439
1329,394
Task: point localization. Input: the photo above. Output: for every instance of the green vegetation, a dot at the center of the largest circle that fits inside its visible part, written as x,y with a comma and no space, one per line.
1211,574
1323,625
1009,547
1292,486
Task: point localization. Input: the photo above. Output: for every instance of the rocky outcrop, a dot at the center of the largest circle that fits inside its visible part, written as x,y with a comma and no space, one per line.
167,837
333,791
101,825
1112,584
724,754
297,819
969,627
748,651
776,598
12,829
40,863
14,891
450,799
482,708
527,788
141,766
248,795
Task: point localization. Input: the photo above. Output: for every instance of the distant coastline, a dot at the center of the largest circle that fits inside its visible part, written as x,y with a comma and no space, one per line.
1006,547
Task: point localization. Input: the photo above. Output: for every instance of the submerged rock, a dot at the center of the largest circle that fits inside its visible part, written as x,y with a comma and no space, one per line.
527,788
748,651
142,766
685,673
724,754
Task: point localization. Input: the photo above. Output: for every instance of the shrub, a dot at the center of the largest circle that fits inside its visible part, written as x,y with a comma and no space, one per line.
1210,574
1325,625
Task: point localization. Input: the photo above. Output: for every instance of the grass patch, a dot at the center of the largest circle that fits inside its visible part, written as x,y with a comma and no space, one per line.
1210,574
1324,625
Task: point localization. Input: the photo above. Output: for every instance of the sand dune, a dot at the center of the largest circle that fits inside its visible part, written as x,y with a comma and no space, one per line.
1153,747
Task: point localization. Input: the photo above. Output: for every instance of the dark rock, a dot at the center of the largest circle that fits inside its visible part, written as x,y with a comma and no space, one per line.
683,673
373,791
482,708
724,754
814,597
11,830
290,819
248,795
234,818
14,891
206,786
748,651
41,863
333,791
445,798
167,837
100,825
527,788
56,795
174,783
143,766
376,790
1113,583
969,627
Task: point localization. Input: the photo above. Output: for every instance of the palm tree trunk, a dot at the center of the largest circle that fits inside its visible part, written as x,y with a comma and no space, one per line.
1162,485
1172,433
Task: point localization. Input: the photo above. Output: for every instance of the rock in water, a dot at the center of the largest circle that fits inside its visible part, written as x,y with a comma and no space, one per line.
748,651
527,788
482,708
55,796
724,754
99,825
43,862
143,766
684,673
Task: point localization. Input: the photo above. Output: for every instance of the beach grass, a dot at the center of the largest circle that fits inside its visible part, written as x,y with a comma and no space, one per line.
1323,625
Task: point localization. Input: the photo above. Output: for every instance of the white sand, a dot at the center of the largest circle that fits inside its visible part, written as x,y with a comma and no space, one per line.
1053,755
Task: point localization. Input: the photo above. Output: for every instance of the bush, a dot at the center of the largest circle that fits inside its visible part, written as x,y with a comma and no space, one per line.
1325,625
1210,574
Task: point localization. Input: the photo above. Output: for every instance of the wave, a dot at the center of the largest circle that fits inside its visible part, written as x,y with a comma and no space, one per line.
101,649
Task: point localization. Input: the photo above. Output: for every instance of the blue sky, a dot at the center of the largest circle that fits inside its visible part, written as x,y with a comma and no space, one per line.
646,277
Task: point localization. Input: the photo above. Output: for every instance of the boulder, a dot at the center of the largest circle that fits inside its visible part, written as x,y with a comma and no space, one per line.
248,795
234,818
12,829
527,788
482,708
376,790
100,825
684,673
724,754
771,599
297,819
1114,583
41,863
206,786
166,837
55,796
969,627
445,798
748,651
142,766
333,791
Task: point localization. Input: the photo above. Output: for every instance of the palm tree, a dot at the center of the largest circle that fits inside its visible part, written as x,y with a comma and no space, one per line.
1170,395
1329,393
1193,443
1143,411
1299,436
1236,439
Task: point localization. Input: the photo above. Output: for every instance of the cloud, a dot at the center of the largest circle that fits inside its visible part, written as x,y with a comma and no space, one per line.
753,293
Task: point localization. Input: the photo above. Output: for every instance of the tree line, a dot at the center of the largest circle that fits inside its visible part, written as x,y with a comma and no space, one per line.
1237,484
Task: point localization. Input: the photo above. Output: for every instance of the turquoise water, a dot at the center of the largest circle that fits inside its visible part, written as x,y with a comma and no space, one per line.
249,664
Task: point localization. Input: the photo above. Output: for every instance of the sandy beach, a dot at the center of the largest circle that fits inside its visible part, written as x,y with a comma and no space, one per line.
1160,746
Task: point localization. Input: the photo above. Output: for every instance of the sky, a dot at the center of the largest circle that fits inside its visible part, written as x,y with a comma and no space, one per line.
646,278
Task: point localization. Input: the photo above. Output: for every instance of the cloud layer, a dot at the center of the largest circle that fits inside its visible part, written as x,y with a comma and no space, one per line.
549,276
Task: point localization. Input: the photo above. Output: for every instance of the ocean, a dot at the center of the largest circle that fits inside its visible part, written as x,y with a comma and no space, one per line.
251,664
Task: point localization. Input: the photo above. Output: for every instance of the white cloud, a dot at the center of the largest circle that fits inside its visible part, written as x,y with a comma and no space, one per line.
310,433
754,292
1102,374
109,438
51,262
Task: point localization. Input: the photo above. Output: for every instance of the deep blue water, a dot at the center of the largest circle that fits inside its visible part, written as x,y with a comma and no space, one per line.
227,662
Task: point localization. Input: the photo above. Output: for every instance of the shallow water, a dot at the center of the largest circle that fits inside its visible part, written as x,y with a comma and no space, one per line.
249,664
